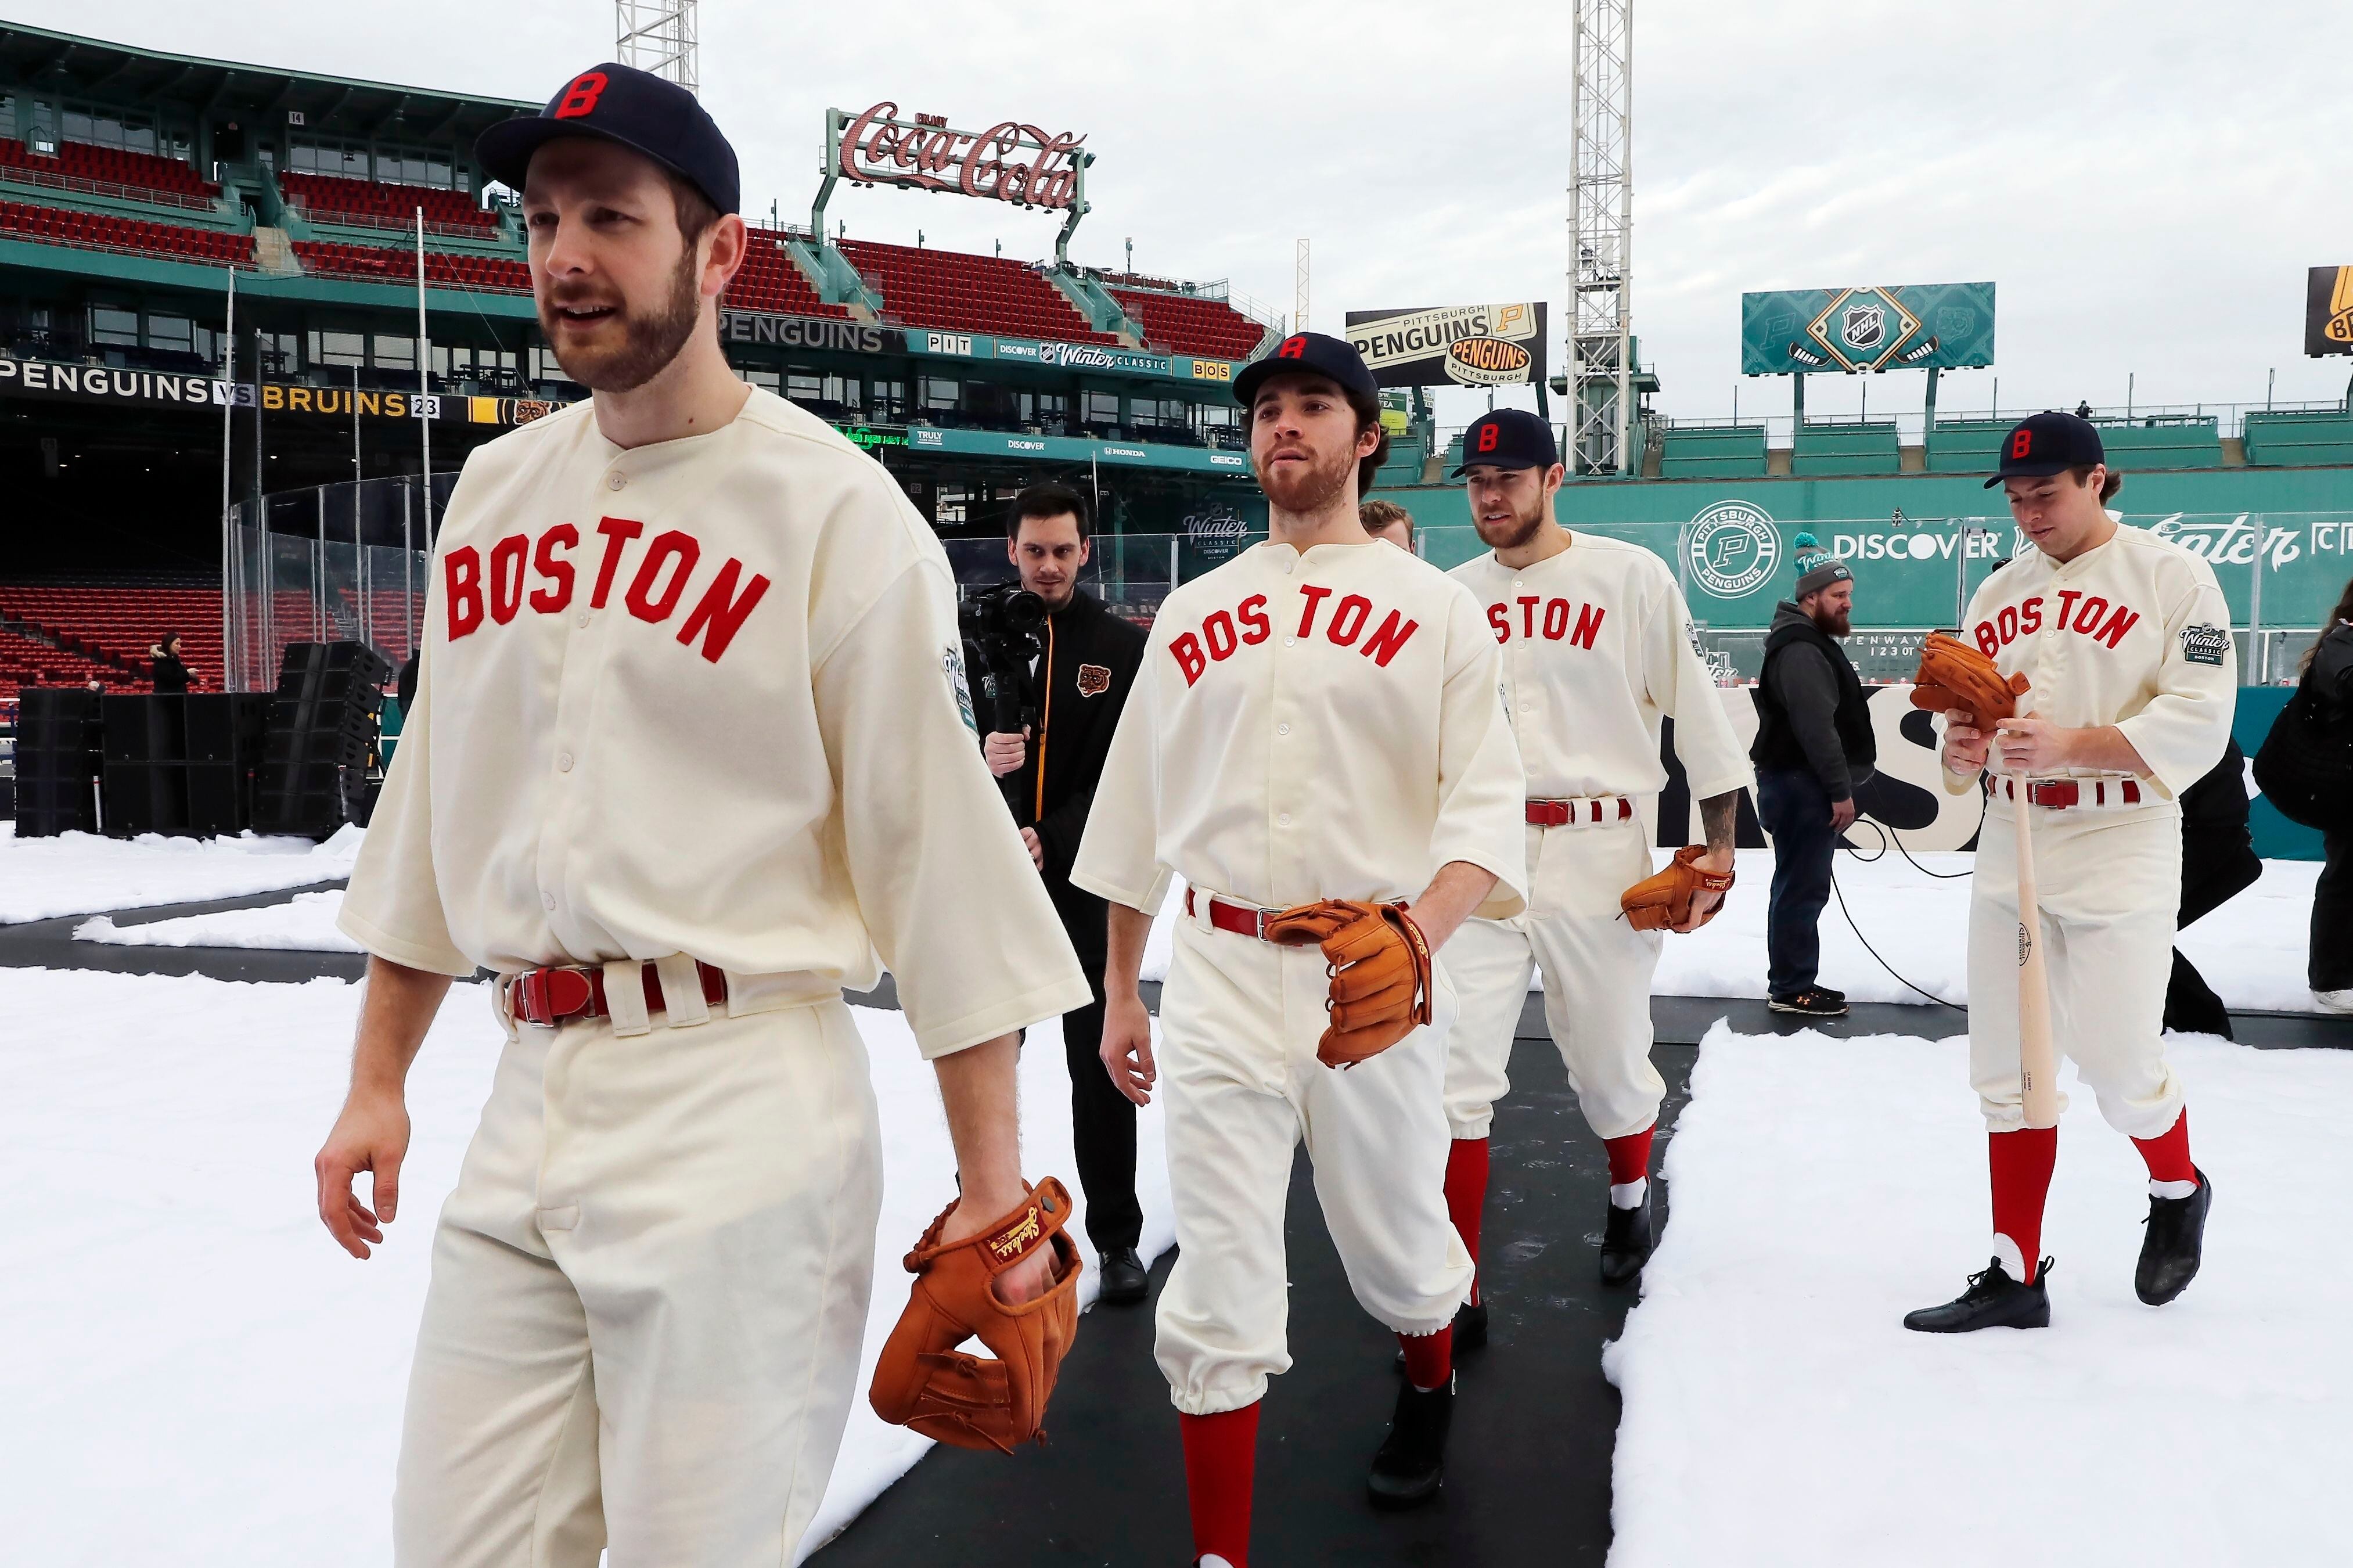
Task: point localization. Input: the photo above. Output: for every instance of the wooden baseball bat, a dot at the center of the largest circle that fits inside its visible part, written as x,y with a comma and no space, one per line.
2038,1063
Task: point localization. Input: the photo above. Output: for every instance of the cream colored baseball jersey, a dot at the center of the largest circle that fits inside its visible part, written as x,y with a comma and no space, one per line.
2134,633
705,696
1597,649
1305,726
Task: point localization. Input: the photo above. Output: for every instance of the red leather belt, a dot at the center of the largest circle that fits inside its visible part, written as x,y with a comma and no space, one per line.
1561,813
550,997
1241,919
2058,794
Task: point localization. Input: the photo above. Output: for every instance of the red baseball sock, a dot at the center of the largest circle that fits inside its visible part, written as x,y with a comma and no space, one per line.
2168,1153
1429,1358
1466,1196
1220,1461
2022,1162
1630,1157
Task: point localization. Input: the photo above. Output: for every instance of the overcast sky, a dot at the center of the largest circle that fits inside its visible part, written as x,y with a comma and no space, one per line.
2145,183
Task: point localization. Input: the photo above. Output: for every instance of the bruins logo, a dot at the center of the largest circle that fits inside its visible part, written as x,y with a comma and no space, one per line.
1094,680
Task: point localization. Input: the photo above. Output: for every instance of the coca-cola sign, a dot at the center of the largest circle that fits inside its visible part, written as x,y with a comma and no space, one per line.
1010,162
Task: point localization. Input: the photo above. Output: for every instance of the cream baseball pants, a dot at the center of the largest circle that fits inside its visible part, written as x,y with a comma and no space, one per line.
1240,1019
2109,883
1596,983
650,1289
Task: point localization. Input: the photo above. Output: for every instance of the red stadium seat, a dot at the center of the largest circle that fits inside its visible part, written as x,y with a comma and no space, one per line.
968,293
95,231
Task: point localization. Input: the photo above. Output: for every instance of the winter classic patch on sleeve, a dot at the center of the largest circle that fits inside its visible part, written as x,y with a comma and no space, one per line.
952,660
2204,644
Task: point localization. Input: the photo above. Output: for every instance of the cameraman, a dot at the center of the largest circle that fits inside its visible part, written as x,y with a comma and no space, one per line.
1077,684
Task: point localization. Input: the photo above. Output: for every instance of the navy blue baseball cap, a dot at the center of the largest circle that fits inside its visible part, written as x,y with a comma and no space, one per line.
1312,354
630,108
1508,438
2047,443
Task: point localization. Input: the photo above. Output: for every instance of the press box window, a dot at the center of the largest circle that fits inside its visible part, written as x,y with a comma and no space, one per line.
338,348
177,334
112,327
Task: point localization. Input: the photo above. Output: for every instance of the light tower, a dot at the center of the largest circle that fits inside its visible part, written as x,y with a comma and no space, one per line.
1600,237
1298,301
658,35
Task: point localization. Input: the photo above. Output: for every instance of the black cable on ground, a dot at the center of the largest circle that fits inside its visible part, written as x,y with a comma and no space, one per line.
1887,836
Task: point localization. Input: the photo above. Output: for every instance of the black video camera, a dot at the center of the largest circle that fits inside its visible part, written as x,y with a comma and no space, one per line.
1000,631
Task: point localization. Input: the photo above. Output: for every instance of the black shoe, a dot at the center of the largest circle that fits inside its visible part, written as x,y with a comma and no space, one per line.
1470,1330
1125,1281
1627,1238
2170,1252
1833,995
1811,1003
1411,1464
1993,1300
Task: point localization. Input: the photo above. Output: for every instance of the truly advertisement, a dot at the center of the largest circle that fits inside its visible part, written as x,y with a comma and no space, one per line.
1452,345
1089,358
1890,326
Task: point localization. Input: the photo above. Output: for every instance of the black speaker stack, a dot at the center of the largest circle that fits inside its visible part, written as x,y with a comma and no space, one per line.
180,764
322,727
58,762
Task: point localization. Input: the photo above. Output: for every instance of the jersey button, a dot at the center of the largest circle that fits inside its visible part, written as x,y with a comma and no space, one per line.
615,481
584,621
1283,820
548,899
1282,729
564,762
1287,642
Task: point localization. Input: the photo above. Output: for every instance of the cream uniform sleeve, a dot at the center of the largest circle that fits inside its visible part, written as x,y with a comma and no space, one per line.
1118,856
1481,786
1681,688
393,905
943,885
2181,730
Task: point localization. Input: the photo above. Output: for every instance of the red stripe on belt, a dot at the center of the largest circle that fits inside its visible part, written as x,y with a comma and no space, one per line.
1561,813
2058,794
553,996
1241,919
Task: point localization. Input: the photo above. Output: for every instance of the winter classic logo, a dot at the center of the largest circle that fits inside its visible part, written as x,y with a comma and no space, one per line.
1733,548
952,660
2203,644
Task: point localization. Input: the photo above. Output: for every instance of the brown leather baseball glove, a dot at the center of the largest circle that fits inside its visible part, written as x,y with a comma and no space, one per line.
923,1382
1662,901
1954,675
1379,966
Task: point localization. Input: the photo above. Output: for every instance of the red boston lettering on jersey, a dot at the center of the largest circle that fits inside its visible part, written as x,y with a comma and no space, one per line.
506,575
617,532
1219,631
1349,620
2030,616
2091,616
723,612
2067,598
2006,624
1315,597
1499,616
1252,612
667,547
556,575
461,582
1388,638
1529,603
581,97
1988,642
1589,625
2118,625
1185,649
2087,618
1555,621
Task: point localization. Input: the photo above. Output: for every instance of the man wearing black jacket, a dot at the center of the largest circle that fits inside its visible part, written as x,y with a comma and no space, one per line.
1814,748
1079,684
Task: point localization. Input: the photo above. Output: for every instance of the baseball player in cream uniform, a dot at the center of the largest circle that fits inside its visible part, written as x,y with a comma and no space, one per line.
2126,643
689,748
1316,719
1597,651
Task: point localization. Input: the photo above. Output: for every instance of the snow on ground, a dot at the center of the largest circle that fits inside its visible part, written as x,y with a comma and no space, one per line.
193,1373
306,922
75,873
1777,1412
2251,950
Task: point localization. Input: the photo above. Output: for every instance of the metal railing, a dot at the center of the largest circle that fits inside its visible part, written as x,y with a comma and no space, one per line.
342,217
45,179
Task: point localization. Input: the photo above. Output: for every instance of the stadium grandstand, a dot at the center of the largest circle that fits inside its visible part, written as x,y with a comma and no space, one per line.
136,184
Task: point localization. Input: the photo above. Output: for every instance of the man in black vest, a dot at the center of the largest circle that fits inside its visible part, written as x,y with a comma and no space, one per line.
1813,750
1079,684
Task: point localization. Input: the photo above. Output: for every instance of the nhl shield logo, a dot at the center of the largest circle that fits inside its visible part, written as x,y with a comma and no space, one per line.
1865,328
1094,680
